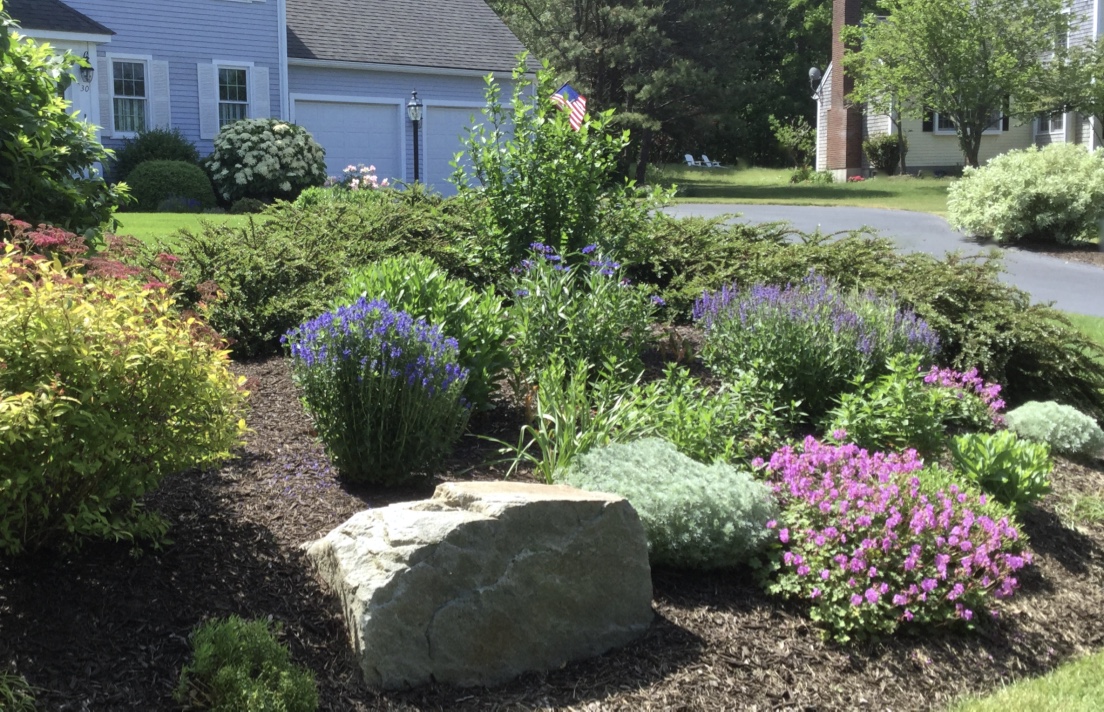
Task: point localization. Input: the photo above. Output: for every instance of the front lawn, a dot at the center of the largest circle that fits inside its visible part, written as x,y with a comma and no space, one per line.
1076,687
149,227
772,185
1093,326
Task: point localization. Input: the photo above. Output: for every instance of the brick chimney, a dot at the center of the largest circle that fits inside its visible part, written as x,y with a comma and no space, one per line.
845,124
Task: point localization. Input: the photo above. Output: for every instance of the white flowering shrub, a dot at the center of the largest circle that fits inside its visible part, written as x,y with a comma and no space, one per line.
694,515
1053,194
1066,429
265,159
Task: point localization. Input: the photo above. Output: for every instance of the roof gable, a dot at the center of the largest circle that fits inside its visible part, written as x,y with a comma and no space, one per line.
52,15
453,34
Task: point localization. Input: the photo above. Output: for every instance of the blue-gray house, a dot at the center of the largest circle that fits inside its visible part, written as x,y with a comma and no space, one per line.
344,69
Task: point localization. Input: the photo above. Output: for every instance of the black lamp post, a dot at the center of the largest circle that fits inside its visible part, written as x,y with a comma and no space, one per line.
414,111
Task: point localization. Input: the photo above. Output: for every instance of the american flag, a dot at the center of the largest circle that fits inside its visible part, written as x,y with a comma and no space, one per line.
572,101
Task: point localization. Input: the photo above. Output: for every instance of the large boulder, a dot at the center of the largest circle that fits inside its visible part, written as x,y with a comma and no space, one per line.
487,580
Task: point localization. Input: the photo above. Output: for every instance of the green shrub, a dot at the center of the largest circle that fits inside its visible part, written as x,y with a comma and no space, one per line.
874,541
104,390
48,154
1065,429
1016,472
384,390
575,312
797,138
807,174
247,206
153,182
15,694
265,159
1052,194
884,152
811,338
239,666
533,179
892,413
159,144
477,320
695,516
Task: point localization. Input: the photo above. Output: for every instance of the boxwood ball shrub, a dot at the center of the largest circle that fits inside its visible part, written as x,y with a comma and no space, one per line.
695,516
873,541
159,144
811,338
265,159
154,182
104,390
884,152
1016,472
1049,194
384,390
1064,428
239,666
476,319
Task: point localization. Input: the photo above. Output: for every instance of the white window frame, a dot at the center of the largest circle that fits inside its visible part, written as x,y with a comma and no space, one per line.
221,64
147,61
996,127
1046,123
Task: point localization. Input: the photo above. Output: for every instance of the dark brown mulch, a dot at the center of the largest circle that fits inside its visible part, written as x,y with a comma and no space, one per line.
1085,254
103,630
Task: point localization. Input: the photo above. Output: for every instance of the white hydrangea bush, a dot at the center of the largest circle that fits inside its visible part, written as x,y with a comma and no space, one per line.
265,159
1053,194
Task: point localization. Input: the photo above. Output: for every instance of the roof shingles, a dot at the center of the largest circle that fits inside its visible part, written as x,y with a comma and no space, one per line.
52,15
451,34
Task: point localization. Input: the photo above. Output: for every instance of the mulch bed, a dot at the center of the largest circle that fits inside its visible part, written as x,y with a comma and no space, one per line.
1085,254
103,629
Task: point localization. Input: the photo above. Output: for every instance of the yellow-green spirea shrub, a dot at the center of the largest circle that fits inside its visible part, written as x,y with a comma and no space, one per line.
105,388
694,515
265,159
1053,194
1064,428
239,666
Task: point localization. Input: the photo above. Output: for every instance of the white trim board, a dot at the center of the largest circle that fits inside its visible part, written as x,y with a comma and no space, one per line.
50,35
397,68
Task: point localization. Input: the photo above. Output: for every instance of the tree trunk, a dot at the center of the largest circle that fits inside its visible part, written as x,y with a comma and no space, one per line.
970,143
644,155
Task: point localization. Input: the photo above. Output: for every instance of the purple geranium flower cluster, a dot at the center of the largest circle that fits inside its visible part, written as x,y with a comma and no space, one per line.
384,389
970,387
872,546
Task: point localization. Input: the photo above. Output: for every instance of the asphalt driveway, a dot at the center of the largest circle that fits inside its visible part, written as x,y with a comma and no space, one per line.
1072,286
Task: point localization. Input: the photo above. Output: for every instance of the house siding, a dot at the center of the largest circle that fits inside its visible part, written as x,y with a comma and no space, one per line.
823,104
186,33
433,89
929,150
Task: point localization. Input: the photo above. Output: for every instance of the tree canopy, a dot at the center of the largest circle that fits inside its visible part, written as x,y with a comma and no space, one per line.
968,60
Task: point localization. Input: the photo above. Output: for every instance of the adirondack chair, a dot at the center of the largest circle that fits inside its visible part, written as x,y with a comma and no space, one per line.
690,161
710,164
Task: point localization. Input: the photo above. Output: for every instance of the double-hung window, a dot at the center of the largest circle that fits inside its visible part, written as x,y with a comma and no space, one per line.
1050,123
233,89
944,124
130,95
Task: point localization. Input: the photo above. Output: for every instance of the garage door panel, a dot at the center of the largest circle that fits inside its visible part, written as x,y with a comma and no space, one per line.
446,132
354,133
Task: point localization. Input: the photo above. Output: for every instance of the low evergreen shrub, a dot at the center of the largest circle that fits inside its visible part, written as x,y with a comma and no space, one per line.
1016,472
812,338
154,182
1049,194
239,666
105,388
695,516
884,152
265,159
384,390
247,206
158,144
477,320
1065,429
874,541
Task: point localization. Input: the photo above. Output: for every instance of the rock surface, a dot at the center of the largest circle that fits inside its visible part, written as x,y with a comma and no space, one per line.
487,580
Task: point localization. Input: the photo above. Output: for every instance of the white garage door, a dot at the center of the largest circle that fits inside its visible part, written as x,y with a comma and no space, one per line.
355,133
445,131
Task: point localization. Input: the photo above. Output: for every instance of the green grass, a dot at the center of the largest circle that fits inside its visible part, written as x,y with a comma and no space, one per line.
152,227
1074,687
772,185
1093,326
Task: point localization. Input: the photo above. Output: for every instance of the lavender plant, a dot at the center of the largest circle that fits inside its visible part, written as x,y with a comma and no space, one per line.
811,338
384,389
872,541
576,306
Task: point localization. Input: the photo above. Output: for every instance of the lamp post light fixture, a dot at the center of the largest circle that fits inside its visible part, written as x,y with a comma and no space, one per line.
86,70
414,111
815,75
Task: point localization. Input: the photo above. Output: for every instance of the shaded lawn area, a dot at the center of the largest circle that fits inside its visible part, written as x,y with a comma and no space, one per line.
152,227
1093,326
772,185
1076,687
